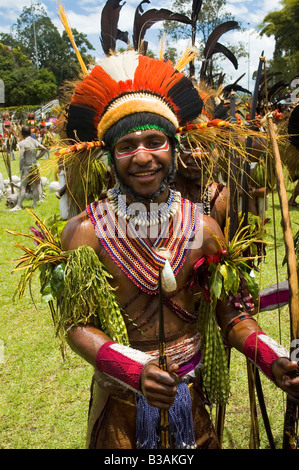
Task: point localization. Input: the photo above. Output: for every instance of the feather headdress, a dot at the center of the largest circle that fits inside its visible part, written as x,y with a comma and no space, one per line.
126,84
129,84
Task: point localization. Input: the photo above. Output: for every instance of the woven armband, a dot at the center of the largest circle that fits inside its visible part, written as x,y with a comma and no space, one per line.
122,363
235,321
263,351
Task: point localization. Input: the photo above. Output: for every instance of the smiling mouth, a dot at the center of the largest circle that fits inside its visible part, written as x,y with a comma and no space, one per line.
146,173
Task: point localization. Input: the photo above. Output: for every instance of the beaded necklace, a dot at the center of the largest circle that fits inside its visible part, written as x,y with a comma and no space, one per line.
134,254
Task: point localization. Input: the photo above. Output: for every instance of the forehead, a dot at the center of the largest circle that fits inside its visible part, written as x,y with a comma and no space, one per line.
139,136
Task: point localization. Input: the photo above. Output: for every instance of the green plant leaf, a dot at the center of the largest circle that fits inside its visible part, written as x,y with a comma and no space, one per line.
234,279
229,278
46,294
216,283
252,285
57,279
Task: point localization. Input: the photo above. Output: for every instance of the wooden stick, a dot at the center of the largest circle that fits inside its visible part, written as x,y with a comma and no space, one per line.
291,415
164,417
254,441
6,159
288,235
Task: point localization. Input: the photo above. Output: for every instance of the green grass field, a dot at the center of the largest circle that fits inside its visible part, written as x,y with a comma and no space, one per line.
44,400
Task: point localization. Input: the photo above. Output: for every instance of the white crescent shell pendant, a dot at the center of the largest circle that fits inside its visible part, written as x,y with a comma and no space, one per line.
167,278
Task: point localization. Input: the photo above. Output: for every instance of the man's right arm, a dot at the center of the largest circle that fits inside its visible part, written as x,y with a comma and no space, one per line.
87,340
132,368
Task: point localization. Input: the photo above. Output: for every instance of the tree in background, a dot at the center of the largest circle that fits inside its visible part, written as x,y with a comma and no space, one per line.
24,84
53,54
284,26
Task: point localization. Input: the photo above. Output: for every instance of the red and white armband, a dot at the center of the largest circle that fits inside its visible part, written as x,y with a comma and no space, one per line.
122,363
262,350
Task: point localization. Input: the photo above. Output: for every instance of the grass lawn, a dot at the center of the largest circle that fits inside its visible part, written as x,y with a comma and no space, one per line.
44,400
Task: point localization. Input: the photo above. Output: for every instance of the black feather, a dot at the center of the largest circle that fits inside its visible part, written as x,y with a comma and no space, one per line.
234,87
186,99
80,124
221,112
109,31
277,88
264,81
238,79
221,49
216,34
196,8
123,36
221,77
143,21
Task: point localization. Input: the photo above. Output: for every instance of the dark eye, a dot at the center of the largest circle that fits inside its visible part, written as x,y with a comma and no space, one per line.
156,143
185,148
125,147
194,147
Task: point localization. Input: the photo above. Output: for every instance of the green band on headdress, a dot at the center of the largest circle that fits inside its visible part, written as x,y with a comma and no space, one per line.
143,127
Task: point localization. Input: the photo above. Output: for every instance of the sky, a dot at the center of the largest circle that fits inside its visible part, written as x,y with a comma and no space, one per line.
84,15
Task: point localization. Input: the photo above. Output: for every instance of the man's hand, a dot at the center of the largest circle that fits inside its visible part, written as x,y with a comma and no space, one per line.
159,387
284,372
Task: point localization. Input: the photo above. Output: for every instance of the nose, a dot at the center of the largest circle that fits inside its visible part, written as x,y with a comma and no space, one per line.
143,157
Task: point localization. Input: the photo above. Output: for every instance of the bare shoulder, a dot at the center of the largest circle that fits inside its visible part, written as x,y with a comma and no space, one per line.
222,191
211,234
79,231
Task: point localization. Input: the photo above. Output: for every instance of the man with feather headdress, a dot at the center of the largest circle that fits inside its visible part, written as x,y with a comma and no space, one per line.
133,107
143,279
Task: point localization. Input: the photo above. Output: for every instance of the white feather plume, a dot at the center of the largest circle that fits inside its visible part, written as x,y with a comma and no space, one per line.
121,66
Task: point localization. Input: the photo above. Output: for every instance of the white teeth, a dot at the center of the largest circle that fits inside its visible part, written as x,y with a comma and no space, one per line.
145,174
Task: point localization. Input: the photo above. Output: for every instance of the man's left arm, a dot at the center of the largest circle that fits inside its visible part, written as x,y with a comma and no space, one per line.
243,333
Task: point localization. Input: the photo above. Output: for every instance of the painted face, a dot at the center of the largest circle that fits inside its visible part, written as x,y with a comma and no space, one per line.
129,151
142,161
195,158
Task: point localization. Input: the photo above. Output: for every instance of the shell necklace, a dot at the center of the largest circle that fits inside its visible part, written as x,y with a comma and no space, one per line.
136,213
